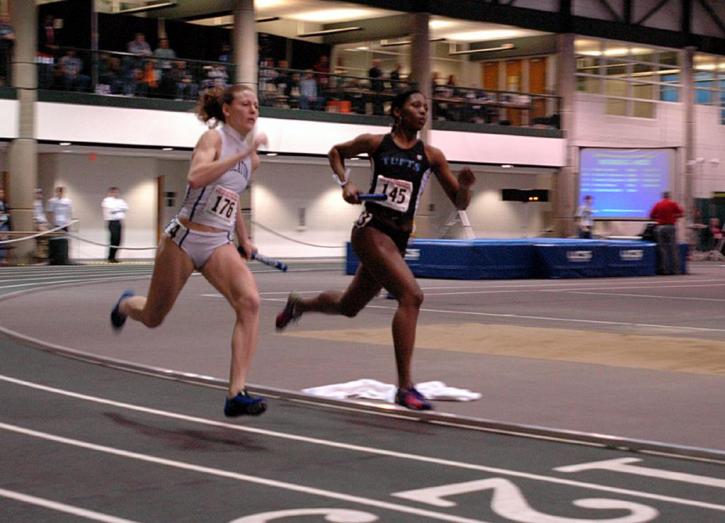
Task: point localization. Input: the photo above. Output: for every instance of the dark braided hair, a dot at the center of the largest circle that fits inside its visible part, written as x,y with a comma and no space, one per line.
209,106
398,103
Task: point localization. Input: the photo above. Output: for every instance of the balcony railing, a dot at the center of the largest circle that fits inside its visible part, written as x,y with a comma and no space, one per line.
124,74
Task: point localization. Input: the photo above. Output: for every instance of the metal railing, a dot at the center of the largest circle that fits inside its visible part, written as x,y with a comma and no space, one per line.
125,74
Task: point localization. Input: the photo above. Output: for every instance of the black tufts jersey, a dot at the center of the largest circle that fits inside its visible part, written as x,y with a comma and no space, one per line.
400,174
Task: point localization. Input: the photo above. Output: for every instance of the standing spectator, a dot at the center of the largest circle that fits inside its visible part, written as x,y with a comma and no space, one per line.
226,54
377,86
665,213
4,225
7,40
61,209
139,46
716,235
395,78
40,223
267,75
322,73
165,55
308,92
114,212
585,218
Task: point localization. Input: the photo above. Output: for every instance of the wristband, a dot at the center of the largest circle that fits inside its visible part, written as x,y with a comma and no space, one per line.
345,181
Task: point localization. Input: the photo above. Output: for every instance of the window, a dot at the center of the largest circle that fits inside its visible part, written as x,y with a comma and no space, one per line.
633,78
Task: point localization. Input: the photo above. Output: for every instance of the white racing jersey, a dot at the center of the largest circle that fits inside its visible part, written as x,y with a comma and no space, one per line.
216,204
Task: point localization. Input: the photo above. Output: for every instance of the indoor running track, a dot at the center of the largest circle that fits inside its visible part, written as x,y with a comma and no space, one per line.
85,442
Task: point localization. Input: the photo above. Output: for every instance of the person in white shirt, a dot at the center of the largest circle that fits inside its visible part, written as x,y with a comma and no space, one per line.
40,222
61,208
585,218
114,212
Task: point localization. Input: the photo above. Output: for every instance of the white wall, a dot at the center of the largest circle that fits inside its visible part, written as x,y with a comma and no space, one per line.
86,182
114,125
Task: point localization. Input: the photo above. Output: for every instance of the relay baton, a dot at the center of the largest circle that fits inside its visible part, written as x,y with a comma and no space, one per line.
365,197
282,266
277,264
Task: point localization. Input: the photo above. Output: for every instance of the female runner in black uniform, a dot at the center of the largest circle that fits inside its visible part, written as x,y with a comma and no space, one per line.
401,167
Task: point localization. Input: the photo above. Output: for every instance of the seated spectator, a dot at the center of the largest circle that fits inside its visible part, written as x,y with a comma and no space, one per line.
216,76
283,80
186,88
267,75
293,98
70,67
309,98
110,75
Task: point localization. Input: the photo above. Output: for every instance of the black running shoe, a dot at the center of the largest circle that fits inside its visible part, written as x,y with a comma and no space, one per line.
412,399
244,404
289,313
118,319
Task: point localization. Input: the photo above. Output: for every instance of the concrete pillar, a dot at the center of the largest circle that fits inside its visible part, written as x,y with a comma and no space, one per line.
245,44
420,60
565,184
686,183
23,151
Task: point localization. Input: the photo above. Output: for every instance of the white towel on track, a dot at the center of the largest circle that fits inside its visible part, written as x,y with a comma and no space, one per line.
376,390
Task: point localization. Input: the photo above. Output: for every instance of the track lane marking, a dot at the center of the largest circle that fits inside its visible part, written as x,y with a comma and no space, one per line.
363,449
213,471
62,507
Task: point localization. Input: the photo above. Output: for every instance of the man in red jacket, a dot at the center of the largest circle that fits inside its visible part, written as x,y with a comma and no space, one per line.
665,213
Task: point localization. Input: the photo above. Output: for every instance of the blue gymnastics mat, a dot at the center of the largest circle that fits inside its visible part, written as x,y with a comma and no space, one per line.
480,259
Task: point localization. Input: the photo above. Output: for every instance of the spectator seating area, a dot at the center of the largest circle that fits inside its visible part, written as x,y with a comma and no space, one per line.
134,75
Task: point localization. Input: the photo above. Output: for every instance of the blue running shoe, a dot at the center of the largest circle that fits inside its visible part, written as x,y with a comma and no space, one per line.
412,399
118,319
244,404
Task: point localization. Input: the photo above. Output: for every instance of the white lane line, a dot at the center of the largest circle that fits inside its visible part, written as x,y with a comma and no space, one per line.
548,318
363,449
212,471
659,297
62,507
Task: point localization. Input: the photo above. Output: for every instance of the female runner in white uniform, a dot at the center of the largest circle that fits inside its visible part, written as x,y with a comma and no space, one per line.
199,237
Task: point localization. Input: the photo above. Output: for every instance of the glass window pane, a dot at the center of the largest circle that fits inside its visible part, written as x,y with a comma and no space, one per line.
615,68
669,94
588,64
615,87
616,107
589,85
643,109
670,58
643,91
703,96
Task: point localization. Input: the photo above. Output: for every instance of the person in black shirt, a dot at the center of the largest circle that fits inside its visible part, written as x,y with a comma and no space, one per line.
402,165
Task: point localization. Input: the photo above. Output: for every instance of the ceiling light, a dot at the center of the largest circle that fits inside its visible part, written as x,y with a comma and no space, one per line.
507,166
323,16
64,143
271,154
503,47
478,36
147,7
167,149
395,43
331,31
